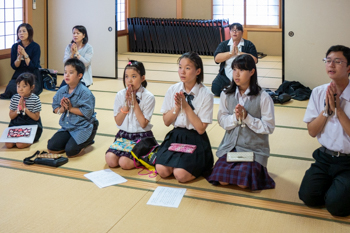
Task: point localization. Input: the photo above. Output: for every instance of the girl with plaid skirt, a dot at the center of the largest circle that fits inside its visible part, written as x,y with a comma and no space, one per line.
188,105
133,109
247,114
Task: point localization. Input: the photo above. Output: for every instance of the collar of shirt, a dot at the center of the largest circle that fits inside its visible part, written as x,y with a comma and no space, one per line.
242,98
240,44
139,92
346,93
31,95
238,94
194,90
75,89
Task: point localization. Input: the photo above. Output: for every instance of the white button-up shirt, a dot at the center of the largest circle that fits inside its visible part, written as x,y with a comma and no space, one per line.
228,63
147,103
265,125
203,104
333,136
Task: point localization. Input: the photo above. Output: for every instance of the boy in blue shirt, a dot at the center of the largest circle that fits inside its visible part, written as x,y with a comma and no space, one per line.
76,105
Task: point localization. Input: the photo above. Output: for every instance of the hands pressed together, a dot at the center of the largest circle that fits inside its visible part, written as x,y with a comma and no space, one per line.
66,104
74,50
22,104
21,52
240,112
235,50
332,98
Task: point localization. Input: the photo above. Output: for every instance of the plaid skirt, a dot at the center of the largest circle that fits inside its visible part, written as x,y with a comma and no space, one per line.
130,136
197,163
250,174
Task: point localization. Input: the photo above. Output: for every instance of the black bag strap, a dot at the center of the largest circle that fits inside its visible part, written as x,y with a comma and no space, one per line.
28,160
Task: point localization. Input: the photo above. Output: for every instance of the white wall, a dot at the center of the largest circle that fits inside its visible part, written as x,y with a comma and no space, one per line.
63,15
317,25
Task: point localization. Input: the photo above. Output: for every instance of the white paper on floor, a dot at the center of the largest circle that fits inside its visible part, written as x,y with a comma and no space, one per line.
168,197
105,178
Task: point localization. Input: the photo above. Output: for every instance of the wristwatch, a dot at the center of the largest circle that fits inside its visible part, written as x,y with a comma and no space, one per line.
26,56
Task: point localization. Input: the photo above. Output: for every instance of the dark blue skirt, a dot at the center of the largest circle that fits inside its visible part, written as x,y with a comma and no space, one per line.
130,136
250,174
197,163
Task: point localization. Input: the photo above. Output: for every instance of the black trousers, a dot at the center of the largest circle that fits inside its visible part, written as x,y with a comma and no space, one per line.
219,83
327,182
64,141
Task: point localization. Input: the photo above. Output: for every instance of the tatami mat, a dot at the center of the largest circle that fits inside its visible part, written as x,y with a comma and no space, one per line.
43,203
83,207
199,216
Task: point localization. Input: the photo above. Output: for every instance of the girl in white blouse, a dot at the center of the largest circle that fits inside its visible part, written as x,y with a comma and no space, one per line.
133,109
188,106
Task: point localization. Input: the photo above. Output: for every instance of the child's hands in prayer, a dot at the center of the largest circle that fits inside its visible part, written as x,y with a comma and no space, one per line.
180,101
240,112
22,103
130,95
66,104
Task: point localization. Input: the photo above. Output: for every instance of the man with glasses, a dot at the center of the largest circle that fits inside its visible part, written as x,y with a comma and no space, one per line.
327,182
226,52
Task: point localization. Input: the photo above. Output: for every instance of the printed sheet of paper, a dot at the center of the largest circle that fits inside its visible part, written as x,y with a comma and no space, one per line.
7,135
168,197
105,178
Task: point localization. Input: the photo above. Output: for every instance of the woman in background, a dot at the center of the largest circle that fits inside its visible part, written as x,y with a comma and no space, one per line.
79,48
25,57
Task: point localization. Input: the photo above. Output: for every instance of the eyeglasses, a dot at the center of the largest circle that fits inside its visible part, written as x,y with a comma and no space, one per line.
235,30
336,61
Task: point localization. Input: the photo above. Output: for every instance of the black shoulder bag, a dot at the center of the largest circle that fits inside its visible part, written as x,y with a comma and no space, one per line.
44,158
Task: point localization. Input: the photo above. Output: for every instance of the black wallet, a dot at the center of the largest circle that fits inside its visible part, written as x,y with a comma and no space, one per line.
44,158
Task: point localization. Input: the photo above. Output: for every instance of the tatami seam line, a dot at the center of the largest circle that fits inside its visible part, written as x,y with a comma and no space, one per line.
213,147
272,210
187,196
213,65
165,183
115,92
159,114
204,57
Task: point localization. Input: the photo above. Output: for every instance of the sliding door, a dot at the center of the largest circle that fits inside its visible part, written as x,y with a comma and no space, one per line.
311,27
99,19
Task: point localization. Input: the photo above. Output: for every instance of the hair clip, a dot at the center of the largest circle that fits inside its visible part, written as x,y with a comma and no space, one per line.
129,63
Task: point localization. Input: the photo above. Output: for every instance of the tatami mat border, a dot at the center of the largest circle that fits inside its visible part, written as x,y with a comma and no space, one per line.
171,71
169,82
213,147
266,209
159,114
276,105
150,181
69,177
196,198
174,56
158,62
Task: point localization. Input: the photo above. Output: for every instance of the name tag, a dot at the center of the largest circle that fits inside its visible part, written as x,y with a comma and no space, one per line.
240,157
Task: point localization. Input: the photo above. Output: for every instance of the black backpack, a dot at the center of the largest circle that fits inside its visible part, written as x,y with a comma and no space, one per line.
279,99
49,79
